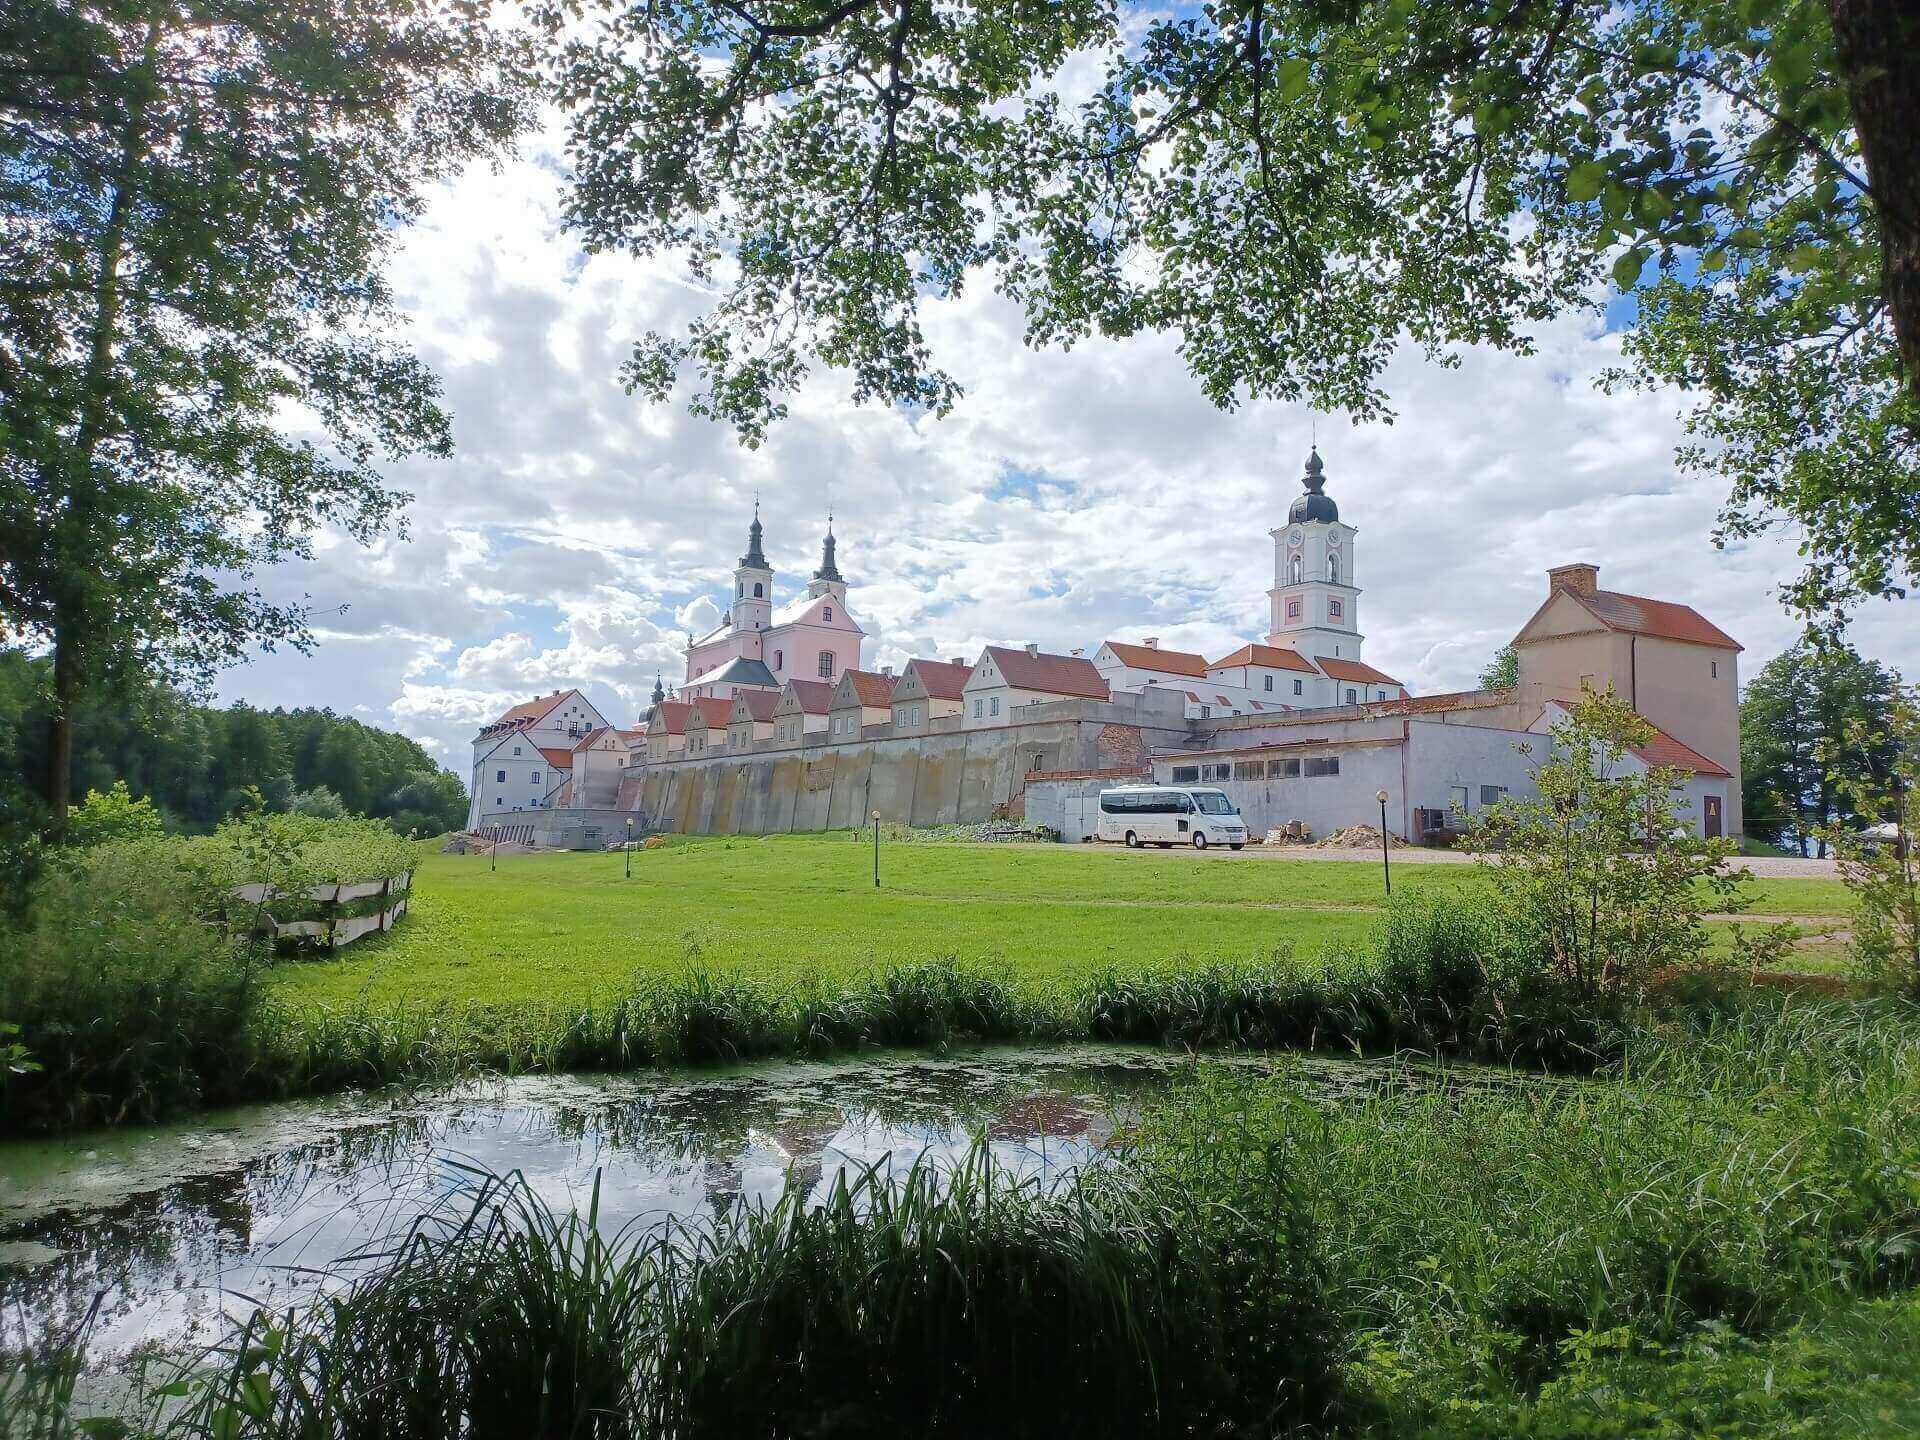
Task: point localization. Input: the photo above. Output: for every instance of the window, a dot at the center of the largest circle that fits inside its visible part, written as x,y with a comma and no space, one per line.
516,750
1352,696
1293,609
1185,774
1283,769
1492,794
1298,572
1335,609
993,705
1318,766
499,800
500,776
758,590
1457,799
1206,712
977,705
1249,769
1715,665
1382,695
779,659
536,777
825,666
1296,687
1269,680
1333,569
826,613
741,589
1220,771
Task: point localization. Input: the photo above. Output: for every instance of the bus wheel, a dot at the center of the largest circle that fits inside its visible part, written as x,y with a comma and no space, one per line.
1133,841
1199,840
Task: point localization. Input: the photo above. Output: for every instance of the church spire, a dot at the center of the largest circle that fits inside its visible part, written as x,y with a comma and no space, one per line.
753,559
659,690
828,570
1316,504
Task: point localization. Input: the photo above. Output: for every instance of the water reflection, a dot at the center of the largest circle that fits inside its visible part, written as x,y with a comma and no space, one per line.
284,1224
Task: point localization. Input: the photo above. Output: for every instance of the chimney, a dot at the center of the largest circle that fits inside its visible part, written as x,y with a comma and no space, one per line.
1152,642
886,669
1078,650
1581,579
1033,650
958,660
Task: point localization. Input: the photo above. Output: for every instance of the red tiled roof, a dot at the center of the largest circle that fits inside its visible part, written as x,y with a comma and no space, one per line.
592,735
872,688
672,717
760,703
815,696
1637,615
941,679
1152,657
1664,749
1274,657
529,712
1337,669
1048,674
558,756
715,710
637,733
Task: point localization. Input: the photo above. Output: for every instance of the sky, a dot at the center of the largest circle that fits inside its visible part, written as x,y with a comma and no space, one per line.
578,533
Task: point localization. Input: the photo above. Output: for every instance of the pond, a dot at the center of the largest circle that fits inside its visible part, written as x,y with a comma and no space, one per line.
162,1232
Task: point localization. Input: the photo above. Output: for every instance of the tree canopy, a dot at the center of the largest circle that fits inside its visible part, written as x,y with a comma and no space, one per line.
197,357
1813,728
197,765
1295,189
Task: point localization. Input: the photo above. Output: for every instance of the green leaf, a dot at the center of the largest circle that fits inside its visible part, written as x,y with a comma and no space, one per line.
1585,180
1626,270
1294,77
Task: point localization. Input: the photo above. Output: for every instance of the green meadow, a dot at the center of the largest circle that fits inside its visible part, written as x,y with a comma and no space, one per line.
571,928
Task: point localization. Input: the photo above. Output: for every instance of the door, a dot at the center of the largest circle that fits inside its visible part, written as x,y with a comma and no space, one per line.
1710,816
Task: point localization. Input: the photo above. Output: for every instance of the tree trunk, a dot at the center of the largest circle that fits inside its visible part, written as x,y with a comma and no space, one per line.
1878,46
66,693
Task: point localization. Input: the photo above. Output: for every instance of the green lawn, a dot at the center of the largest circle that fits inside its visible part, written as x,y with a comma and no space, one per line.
569,928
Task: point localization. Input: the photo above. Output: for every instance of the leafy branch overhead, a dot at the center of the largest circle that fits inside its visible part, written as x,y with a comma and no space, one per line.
1294,190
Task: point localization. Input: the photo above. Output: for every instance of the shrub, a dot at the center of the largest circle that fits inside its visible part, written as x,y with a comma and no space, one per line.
1884,874
132,1002
319,802
105,816
1594,881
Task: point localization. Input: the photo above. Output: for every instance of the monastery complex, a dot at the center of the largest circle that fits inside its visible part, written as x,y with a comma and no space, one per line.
776,724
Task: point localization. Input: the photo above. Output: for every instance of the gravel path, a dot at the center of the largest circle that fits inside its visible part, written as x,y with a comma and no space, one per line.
1763,867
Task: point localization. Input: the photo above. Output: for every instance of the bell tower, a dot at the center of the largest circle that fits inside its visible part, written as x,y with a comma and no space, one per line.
752,592
1315,602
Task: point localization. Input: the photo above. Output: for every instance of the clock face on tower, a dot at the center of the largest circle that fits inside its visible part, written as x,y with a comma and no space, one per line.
1333,538
1294,537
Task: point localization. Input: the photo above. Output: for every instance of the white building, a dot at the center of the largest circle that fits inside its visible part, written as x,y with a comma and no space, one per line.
1004,678
523,757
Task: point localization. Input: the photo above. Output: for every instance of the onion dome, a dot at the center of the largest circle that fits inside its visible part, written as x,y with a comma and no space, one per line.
1314,505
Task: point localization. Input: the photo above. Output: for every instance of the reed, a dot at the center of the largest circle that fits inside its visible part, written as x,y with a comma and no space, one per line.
945,1302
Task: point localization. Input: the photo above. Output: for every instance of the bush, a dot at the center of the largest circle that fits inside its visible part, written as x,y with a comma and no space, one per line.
131,1000
112,815
948,1303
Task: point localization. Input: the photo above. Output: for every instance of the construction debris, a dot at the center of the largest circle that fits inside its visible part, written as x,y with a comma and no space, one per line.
1357,837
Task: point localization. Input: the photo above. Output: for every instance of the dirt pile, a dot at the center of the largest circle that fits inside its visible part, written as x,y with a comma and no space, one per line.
1357,837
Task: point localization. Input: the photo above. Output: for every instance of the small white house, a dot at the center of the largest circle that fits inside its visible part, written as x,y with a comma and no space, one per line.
1004,678
523,757
1705,786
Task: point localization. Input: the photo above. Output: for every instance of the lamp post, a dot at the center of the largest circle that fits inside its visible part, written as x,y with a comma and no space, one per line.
1386,866
493,852
876,849
629,849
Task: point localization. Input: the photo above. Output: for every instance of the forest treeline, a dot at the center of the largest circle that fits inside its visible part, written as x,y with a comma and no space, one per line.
197,763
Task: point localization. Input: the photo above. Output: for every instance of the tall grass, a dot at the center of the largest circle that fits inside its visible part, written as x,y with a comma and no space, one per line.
1746,1172
948,1303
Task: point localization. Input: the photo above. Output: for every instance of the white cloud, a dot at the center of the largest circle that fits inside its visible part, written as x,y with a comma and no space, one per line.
577,535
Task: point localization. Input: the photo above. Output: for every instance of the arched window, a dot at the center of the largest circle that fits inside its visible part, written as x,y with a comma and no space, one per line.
1333,568
826,664
779,658
758,591
742,588
1299,570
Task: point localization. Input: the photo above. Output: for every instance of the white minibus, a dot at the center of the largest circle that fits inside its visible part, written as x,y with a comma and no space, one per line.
1166,815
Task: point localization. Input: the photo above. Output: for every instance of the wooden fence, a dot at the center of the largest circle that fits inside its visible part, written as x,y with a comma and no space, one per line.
333,928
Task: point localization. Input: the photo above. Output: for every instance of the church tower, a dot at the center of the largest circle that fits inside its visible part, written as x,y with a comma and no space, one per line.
826,580
1315,601
752,592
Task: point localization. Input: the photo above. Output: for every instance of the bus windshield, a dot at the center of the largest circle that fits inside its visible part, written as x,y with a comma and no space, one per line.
1213,802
